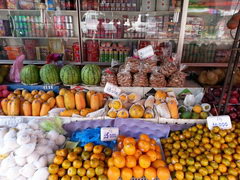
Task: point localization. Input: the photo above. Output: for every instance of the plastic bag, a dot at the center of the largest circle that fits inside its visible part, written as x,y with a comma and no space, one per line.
133,64
108,75
163,110
124,77
14,74
56,124
140,79
157,79
177,79
168,68
149,64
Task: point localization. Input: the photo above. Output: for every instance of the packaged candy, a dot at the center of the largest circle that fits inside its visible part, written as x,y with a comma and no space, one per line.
108,75
157,79
124,77
140,79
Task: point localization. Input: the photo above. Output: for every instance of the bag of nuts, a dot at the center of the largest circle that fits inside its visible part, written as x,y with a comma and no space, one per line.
124,76
157,79
140,79
108,75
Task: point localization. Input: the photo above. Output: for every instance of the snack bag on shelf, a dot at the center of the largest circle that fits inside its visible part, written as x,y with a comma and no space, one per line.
108,75
124,76
140,79
177,79
168,68
157,79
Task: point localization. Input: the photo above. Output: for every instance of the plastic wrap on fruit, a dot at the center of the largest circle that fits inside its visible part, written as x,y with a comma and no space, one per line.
127,105
123,97
112,113
149,102
134,97
189,100
157,79
163,110
123,113
141,102
149,113
124,76
90,135
14,74
116,104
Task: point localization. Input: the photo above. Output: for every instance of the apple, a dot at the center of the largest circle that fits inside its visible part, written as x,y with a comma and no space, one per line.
233,115
230,109
235,94
217,92
233,100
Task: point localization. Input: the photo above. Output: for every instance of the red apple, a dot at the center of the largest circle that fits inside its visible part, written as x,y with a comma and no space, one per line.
233,100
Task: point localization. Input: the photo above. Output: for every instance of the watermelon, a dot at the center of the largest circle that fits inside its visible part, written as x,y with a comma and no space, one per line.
50,74
70,75
30,75
91,74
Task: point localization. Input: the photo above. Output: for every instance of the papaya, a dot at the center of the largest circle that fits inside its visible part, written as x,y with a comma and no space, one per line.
62,91
4,104
51,101
51,93
73,91
41,92
9,107
15,107
69,100
101,99
80,100
21,106
84,112
37,96
11,95
28,96
60,101
88,97
34,92
94,102
44,109
27,108
69,113
36,107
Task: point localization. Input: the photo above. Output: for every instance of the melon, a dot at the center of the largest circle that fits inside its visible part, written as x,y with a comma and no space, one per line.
91,74
30,75
50,74
70,75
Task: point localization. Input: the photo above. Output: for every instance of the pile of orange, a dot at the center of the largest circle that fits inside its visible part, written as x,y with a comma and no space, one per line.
81,163
137,158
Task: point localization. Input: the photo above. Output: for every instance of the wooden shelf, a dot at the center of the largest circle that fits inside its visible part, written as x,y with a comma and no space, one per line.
206,64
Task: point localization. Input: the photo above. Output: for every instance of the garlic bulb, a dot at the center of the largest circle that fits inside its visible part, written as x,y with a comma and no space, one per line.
26,149
21,161
8,162
41,174
28,170
21,178
10,140
60,140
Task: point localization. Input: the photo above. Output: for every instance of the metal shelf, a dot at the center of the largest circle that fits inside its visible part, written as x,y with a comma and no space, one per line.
37,62
51,11
206,64
108,39
12,37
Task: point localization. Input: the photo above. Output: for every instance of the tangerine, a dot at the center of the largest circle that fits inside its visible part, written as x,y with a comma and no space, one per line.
144,161
131,161
119,161
157,148
144,146
163,173
158,163
116,153
138,172
126,173
88,147
144,137
129,140
113,173
123,152
120,138
150,173
138,153
129,149
110,162
152,154
222,168
178,167
152,147
152,141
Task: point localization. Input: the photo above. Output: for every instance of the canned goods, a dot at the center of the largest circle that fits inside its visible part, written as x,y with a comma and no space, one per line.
70,19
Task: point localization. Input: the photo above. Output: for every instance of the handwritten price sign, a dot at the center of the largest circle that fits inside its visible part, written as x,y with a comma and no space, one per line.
112,90
109,134
224,122
146,52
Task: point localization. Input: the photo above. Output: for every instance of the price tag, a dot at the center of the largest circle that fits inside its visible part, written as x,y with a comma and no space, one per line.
224,122
146,52
48,87
109,133
112,90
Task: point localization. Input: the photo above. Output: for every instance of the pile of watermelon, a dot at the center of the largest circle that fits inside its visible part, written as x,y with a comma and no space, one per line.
68,75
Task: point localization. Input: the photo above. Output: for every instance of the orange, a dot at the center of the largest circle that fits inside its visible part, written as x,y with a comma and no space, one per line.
97,149
61,172
158,163
222,168
72,156
159,155
144,137
152,154
163,173
123,152
102,156
95,156
58,160
116,153
62,152
53,169
126,173
138,153
144,146
120,145
120,138
152,141
157,148
88,147
144,161
66,177
152,147
113,173
138,172
131,161
150,173
119,161
171,167
53,177
77,163
129,140
178,167
180,175
129,149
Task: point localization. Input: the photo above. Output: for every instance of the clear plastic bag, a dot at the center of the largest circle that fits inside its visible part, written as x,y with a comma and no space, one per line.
149,64
157,79
177,79
124,76
140,79
168,68
133,64
108,75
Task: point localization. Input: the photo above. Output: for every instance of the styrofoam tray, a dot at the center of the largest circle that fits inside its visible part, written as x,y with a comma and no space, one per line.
181,121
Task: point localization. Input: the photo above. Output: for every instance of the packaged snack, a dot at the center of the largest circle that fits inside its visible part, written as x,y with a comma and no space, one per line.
11,4
26,4
108,75
177,79
140,79
133,64
157,79
124,77
168,68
